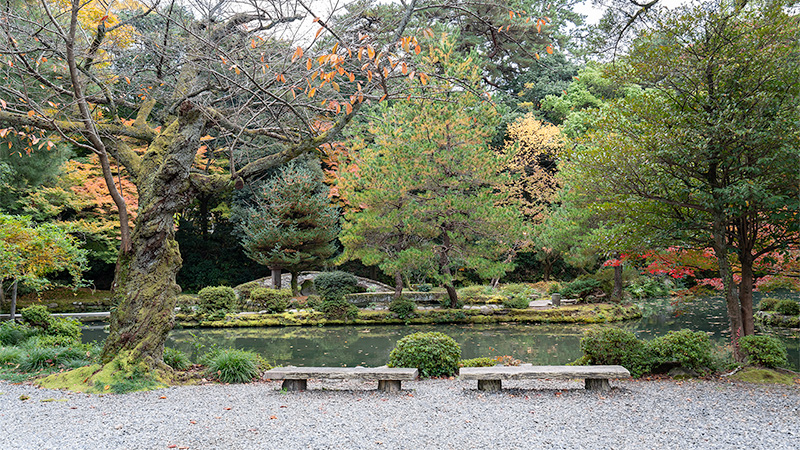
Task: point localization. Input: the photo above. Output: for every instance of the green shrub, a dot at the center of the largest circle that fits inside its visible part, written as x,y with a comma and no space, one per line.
424,287
470,295
764,351
56,341
768,304
36,316
648,287
335,285
788,307
444,302
338,309
691,349
516,302
434,354
233,366
216,300
271,300
10,355
13,333
403,307
616,346
485,361
580,288
176,359
244,290
314,302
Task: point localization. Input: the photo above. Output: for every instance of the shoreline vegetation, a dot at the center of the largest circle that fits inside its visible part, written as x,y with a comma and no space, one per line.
587,313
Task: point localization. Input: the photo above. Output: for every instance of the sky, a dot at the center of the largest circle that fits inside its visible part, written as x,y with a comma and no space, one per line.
594,12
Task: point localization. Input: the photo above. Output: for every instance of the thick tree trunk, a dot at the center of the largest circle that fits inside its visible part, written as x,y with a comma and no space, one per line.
746,296
548,268
144,292
617,293
13,310
731,298
295,290
276,277
444,263
398,285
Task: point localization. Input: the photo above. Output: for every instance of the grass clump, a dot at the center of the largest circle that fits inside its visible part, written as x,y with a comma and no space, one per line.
176,359
233,366
434,354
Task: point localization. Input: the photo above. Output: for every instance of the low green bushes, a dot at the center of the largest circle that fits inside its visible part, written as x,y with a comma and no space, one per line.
485,361
521,302
580,288
787,307
403,307
768,304
332,288
270,300
216,301
691,350
764,351
434,354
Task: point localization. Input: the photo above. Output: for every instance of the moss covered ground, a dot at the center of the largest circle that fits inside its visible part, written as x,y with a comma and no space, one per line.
593,313
766,376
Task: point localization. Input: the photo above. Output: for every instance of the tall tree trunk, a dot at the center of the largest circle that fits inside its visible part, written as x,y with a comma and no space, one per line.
295,290
720,247
746,295
617,293
444,263
144,292
276,277
13,310
398,285
548,268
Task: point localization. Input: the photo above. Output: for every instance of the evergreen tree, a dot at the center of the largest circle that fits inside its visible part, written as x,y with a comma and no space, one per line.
292,224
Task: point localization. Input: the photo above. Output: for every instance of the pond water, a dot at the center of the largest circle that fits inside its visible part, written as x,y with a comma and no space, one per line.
531,343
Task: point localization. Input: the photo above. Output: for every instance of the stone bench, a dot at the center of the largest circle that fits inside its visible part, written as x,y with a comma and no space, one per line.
295,378
490,378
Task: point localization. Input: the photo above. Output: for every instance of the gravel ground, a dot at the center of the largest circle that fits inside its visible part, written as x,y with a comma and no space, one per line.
428,414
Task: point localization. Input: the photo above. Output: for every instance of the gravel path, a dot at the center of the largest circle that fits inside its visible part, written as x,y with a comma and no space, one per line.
429,414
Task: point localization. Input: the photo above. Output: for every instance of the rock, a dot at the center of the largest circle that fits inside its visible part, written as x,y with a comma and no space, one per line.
682,373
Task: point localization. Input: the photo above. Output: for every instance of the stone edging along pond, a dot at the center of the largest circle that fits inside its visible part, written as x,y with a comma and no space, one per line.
591,313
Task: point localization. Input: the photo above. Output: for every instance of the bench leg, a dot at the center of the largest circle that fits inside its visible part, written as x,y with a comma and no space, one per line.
294,385
490,385
597,384
389,385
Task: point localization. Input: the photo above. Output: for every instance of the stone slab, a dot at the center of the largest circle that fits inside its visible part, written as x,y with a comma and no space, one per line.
342,373
526,372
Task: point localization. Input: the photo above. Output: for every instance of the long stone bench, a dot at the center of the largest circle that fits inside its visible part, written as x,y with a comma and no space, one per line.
295,378
490,378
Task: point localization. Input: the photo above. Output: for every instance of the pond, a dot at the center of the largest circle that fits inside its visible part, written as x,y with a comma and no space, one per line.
532,343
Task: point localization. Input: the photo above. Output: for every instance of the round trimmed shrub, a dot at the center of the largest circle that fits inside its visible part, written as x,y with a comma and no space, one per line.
216,299
339,309
270,300
233,366
434,354
403,307
335,285
788,307
176,359
764,351
516,302
768,304
691,349
618,347
36,316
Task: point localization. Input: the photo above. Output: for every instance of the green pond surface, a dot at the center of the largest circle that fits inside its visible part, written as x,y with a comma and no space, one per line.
540,344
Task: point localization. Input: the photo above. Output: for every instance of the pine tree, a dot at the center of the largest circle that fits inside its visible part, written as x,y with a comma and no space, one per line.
292,224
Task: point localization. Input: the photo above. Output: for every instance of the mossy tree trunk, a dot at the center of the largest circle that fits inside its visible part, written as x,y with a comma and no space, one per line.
144,291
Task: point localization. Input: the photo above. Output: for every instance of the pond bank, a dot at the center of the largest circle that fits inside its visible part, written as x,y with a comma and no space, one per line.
592,313
426,414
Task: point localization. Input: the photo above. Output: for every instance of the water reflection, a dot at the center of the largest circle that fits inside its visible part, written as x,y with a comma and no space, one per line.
536,344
